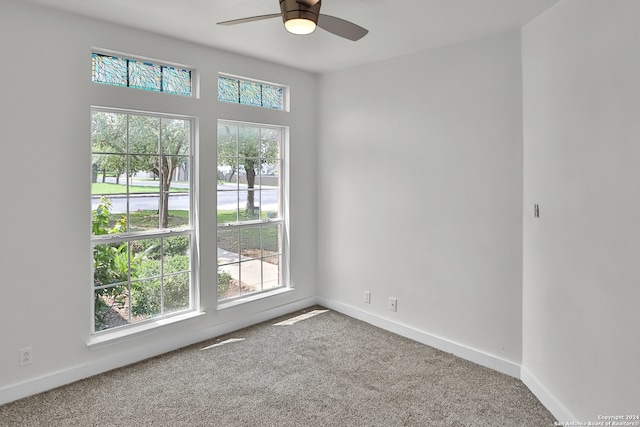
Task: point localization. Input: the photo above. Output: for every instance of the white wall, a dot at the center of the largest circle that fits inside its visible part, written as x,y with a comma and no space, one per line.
420,192
582,155
45,272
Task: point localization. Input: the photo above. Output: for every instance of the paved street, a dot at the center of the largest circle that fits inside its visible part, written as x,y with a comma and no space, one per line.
228,198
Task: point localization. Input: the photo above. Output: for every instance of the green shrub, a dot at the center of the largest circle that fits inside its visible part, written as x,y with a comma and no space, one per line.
109,263
224,283
146,297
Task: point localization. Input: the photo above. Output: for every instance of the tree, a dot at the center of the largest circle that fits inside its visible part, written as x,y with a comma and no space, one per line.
109,137
250,149
133,143
175,147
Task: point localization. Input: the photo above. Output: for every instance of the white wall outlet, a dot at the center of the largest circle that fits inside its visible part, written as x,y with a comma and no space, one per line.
367,297
26,356
393,304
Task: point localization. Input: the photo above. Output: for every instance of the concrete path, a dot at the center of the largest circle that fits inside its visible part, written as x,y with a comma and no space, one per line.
253,273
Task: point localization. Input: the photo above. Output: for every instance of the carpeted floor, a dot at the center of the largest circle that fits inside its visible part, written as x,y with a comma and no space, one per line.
324,370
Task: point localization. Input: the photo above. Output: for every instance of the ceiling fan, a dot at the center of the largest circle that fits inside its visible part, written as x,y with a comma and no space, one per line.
302,17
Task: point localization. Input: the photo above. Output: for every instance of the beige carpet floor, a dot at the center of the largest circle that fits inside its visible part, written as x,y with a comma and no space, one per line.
324,370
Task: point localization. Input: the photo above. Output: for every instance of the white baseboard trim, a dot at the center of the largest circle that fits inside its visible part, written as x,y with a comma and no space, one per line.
467,353
98,366
545,397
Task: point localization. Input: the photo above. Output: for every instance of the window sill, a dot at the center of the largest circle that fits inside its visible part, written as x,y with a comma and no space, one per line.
106,339
253,297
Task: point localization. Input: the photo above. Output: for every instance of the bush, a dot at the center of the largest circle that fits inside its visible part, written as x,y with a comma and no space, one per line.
177,245
146,299
109,263
224,283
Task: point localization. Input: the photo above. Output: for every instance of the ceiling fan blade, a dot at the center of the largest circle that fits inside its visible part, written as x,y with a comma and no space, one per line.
250,19
308,3
341,28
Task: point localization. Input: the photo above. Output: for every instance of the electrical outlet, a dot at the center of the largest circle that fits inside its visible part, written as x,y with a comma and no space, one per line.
367,297
26,356
393,304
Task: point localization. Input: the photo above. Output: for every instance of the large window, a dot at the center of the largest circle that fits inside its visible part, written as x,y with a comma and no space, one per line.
142,227
251,229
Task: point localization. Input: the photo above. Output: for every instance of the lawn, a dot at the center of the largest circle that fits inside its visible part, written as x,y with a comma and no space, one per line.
107,188
251,238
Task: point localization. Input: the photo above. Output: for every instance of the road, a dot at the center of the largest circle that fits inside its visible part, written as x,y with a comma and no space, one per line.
267,198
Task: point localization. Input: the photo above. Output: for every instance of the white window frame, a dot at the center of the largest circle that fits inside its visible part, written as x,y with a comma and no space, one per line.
285,91
282,221
112,334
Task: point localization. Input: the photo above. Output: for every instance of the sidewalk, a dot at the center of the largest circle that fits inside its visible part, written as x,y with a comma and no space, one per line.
256,274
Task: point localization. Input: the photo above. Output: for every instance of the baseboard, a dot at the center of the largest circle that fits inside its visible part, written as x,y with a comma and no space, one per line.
546,398
472,355
76,373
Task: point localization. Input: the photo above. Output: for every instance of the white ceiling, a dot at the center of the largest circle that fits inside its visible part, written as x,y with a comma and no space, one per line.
396,27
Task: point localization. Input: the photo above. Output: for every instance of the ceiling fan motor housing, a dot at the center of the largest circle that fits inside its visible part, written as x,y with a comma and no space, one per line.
291,9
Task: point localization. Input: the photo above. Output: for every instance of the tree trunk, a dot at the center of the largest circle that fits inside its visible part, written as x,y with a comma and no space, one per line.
251,180
165,179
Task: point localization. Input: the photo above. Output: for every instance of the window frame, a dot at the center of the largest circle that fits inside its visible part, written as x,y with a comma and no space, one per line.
240,79
146,61
101,336
281,221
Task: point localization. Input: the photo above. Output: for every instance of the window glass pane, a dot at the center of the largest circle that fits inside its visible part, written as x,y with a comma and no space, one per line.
270,145
110,263
228,89
250,93
109,69
228,201
108,133
176,291
111,307
243,204
250,276
144,134
228,246
250,243
269,203
175,136
228,281
271,240
144,75
146,259
249,141
271,272
176,268
146,299
176,81
272,97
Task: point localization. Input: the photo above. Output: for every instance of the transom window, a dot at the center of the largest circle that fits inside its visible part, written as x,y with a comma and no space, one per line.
251,253
249,92
142,225
139,74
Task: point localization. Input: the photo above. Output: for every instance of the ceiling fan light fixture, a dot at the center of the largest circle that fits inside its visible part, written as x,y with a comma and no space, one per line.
300,26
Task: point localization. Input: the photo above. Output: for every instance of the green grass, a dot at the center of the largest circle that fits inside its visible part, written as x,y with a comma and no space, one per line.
107,188
149,220
250,237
